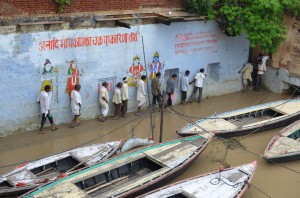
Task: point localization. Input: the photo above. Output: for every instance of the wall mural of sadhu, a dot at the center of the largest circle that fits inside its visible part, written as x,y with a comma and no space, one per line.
73,76
136,70
47,77
155,66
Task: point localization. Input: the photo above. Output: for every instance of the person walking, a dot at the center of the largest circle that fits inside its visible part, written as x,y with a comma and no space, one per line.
155,89
124,92
199,80
117,100
246,76
104,100
140,94
170,89
44,101
76,105
184,86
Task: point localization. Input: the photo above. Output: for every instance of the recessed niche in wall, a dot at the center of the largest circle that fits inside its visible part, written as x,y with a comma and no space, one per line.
213,71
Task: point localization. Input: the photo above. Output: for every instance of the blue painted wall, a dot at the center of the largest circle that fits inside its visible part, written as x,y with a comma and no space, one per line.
189,45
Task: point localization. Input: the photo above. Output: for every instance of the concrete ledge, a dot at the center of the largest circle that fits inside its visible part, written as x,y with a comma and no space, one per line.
8,29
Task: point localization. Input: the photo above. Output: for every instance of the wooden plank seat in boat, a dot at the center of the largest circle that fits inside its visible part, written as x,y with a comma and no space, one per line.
173,156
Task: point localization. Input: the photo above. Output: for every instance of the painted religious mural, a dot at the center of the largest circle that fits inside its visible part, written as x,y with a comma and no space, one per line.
47,77
155,66
73,76
136,70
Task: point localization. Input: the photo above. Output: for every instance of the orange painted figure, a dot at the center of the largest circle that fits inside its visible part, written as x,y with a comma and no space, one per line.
155,66
73,76
135,71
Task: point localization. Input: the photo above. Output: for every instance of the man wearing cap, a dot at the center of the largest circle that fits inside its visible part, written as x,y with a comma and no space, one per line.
103,100
124,95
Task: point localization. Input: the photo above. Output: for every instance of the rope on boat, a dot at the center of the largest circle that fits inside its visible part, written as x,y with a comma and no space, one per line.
219,179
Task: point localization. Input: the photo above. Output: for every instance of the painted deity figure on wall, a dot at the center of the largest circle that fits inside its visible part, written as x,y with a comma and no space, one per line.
73,76
155,66
47,77
135,71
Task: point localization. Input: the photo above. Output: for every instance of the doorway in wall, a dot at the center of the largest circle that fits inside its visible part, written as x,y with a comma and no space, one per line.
213,71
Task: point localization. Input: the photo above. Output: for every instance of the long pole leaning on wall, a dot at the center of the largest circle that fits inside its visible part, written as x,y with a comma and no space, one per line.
151,120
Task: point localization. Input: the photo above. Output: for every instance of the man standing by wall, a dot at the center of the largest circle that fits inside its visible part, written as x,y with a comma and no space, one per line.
140,94
44,101
199,79
184,86
261,68
170,89
75,105
104,100
117,100
155,88
124,92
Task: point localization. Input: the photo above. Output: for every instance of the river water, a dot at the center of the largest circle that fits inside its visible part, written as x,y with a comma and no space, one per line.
270,180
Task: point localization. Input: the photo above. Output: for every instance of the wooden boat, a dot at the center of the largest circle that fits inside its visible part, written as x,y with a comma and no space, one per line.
131,173
247,120
33,174
285,146
231,182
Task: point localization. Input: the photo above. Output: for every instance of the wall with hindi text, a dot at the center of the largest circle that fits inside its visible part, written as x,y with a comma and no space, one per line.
90,56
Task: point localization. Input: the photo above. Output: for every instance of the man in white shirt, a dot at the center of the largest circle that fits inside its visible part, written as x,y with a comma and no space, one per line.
104,100
44,101
184,86
261,68
117,100
75,105
124,94
199,79
140,94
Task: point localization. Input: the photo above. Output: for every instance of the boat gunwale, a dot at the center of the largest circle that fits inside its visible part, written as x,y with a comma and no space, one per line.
286,116
206,174
119,157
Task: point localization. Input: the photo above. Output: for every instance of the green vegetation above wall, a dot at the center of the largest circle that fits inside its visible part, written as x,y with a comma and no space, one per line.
62,4
260,20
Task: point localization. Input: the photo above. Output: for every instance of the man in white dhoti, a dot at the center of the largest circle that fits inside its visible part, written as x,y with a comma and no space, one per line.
103,100
75,105
141,94
44,101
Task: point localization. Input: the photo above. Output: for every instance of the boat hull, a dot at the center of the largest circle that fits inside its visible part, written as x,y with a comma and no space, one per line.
247,120
132,173
285,146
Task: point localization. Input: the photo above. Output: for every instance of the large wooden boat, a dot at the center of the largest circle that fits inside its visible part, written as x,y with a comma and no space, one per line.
231,182
33,174
247,120
285,146
129,174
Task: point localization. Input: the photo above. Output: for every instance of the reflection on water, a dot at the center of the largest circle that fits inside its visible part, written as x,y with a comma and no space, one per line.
274,180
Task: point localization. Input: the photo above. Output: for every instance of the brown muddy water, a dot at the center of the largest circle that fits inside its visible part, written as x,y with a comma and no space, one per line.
270,180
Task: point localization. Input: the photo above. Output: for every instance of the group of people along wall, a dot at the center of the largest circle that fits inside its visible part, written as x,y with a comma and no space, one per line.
65,58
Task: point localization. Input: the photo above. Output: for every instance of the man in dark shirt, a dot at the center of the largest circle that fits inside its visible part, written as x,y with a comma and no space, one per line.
170,88
156,93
